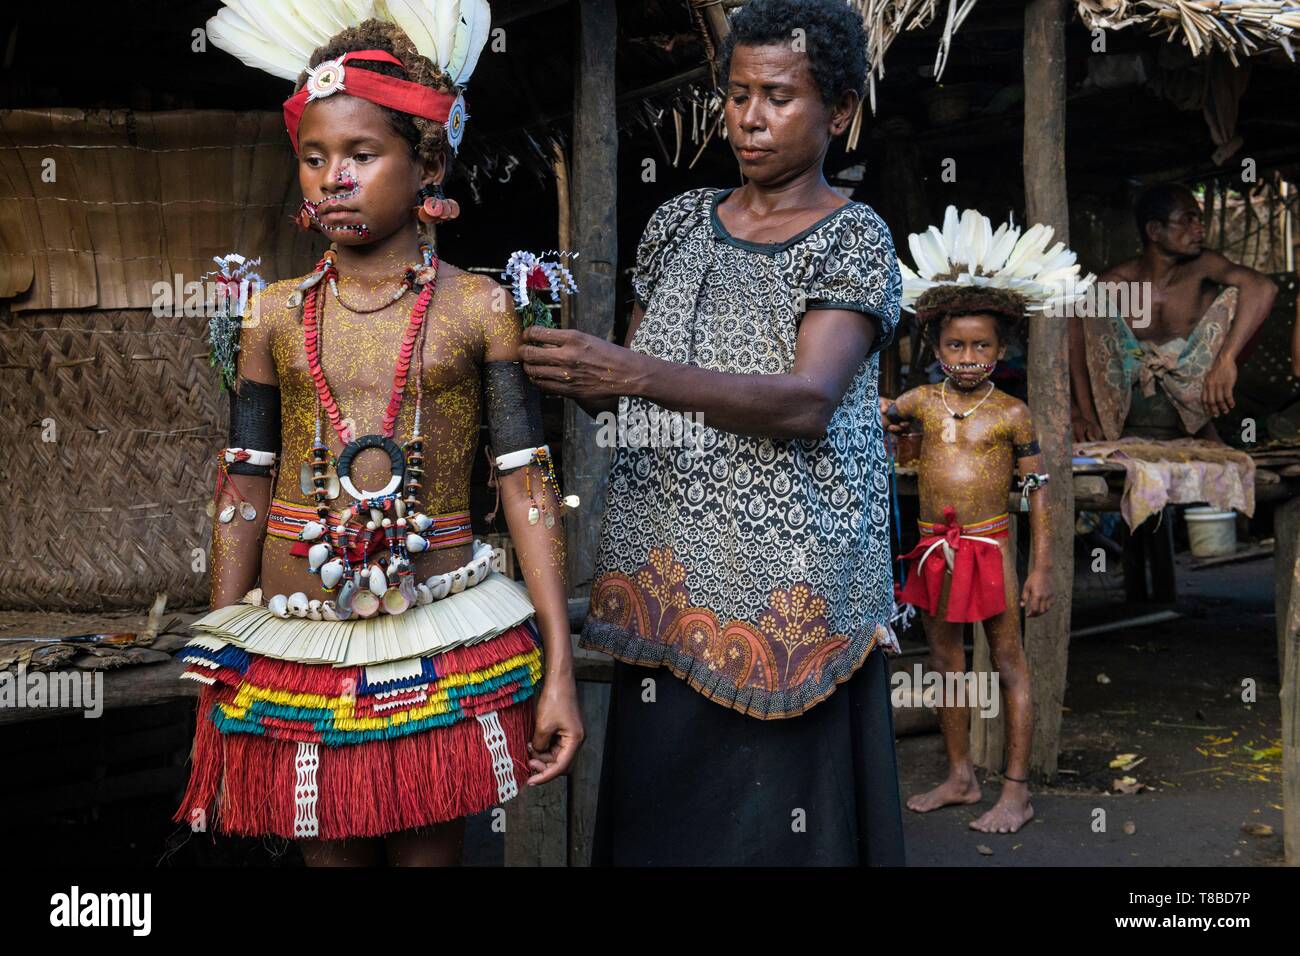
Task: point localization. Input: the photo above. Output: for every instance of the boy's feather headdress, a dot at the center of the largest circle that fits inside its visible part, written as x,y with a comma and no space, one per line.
968,252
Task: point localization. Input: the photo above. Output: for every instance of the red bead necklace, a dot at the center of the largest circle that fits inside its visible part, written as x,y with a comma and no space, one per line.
311,339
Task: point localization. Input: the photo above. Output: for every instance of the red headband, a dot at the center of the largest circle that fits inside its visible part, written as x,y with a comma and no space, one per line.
401,95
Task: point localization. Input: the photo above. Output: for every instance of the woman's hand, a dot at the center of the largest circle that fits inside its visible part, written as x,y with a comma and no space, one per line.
577,365
558,733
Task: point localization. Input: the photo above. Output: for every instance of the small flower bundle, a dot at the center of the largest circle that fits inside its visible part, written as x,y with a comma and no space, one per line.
529,276
234,277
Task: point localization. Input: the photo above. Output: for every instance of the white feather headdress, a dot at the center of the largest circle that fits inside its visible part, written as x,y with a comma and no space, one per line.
279,36
967,251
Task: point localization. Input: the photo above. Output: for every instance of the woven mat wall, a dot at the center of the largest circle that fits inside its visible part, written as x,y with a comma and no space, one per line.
96,207
110,511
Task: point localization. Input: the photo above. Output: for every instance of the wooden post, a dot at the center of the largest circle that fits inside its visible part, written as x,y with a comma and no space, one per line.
1291,740
1286,532
1047,637
594,193
1286,549
584,780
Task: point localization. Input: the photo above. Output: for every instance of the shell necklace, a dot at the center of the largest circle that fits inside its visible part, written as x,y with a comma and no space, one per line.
943,396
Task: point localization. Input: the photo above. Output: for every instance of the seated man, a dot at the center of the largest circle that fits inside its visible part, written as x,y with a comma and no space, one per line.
1168,366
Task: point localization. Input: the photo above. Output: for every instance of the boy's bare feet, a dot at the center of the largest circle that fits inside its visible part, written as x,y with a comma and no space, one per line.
1012,811
957,789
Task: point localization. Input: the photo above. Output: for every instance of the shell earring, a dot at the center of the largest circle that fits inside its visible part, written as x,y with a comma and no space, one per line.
434,207
303,219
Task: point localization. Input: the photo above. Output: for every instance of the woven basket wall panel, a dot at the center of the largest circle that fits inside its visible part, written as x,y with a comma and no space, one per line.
107,455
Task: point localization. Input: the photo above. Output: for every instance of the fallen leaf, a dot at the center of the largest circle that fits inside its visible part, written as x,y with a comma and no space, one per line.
1103,679
983,850
1268,753
1126,762
1128,785
1257,829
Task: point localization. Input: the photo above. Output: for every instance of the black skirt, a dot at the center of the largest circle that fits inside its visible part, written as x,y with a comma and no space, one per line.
687,782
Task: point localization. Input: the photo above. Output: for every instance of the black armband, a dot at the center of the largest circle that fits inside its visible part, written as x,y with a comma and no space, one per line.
514,409
254,425
893,414
1027,449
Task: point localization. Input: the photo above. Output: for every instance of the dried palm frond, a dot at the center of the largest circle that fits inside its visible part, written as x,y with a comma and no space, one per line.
1238,28
885,20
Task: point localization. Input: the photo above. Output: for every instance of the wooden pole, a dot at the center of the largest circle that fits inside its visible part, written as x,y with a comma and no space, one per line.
594,191
564,232
1286,529
1047,637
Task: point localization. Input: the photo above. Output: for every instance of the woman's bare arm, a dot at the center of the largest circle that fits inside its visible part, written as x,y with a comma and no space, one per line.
832,344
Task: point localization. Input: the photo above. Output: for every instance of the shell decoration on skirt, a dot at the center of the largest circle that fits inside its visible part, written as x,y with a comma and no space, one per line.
333,729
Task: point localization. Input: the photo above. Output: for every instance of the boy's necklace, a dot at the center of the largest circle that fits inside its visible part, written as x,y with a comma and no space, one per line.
943,396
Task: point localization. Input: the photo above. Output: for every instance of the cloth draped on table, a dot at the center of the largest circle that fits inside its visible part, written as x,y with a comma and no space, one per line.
1119,364
1182,471
972,554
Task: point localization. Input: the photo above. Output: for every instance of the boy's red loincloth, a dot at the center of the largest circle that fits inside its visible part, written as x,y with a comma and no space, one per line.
978,590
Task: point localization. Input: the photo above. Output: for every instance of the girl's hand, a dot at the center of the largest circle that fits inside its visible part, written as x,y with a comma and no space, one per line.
1036,597
577,365
558,733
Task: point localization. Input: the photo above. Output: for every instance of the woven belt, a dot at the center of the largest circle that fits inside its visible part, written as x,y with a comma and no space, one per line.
973,532
286,518
990,526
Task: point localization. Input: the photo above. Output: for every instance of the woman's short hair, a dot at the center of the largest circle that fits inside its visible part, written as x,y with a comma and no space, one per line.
834,38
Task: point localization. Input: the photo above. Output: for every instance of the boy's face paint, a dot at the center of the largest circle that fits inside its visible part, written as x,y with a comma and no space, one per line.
358,177
969,349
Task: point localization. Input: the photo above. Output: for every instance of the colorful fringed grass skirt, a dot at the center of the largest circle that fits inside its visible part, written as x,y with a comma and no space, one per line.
318,750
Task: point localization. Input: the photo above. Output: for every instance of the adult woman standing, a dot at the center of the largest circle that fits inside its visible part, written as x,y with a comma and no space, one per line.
754,566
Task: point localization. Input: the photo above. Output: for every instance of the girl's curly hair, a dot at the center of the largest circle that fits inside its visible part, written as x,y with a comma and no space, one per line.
427,139
835,38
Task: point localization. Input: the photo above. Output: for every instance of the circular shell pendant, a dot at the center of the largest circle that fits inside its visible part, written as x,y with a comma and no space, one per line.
247,511
227,514
549,521
210,509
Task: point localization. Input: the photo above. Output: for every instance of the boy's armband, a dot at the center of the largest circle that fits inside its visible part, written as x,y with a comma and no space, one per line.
1028,449
893,414
1031,482
254,441
514,414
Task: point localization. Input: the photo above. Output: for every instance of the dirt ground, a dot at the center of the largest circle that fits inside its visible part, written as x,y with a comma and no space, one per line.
1170,694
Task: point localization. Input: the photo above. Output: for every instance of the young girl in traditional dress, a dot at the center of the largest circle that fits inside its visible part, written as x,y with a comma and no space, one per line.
370,676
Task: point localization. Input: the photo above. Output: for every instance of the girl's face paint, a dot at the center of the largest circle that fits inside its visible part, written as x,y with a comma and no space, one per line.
359,179
341,202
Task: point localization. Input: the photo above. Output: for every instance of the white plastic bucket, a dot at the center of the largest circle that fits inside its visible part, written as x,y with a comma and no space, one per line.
1211,532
